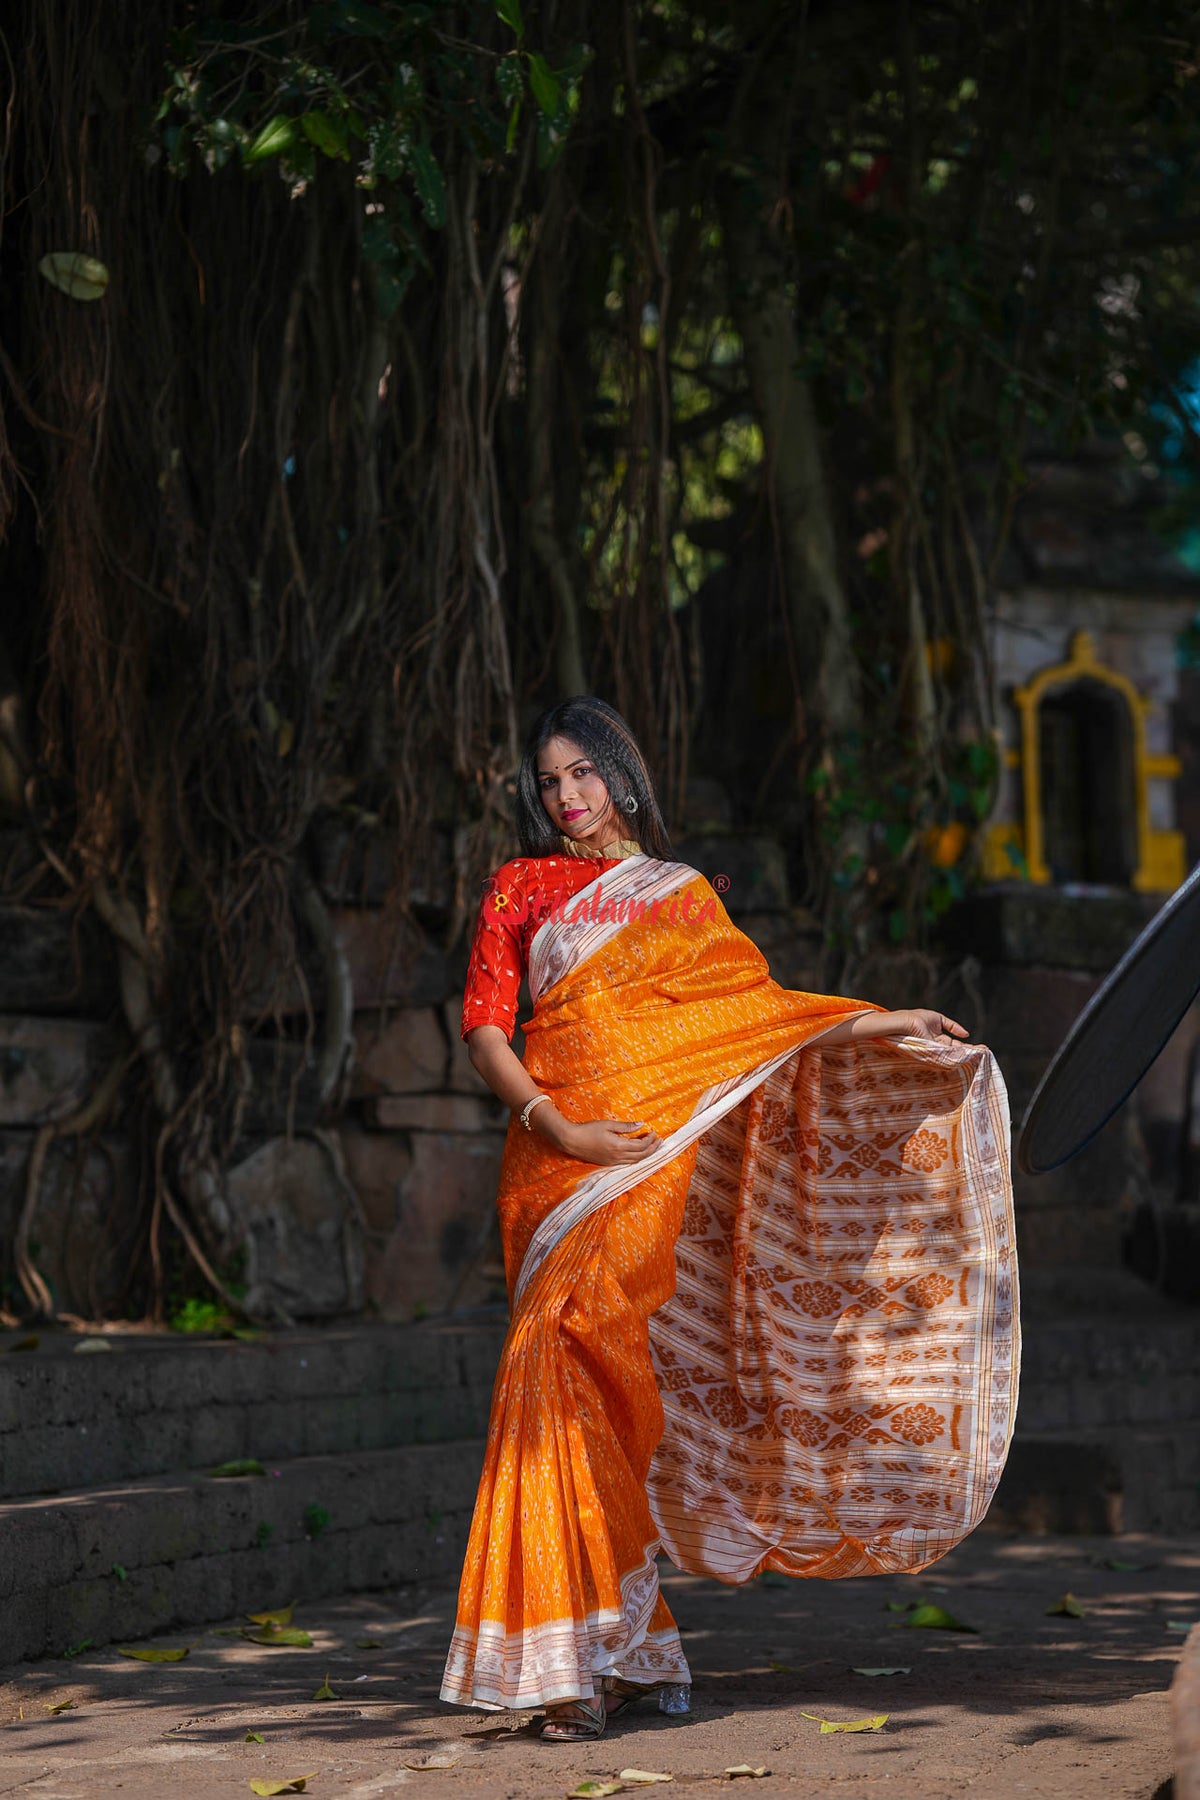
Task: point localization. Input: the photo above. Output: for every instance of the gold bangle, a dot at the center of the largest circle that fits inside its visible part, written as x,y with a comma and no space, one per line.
528,1108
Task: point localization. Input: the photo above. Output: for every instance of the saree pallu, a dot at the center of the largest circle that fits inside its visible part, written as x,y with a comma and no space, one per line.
787,1339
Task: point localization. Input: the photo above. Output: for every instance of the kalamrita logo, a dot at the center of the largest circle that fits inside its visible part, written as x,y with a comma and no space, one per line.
680,908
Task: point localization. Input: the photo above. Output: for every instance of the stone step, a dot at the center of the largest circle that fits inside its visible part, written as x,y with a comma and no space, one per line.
1115,1480
152,1404
118,1561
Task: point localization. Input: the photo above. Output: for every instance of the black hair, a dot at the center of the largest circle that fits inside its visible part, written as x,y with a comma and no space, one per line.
608,743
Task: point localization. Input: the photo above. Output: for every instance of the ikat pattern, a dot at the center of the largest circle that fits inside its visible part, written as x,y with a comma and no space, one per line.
787,1339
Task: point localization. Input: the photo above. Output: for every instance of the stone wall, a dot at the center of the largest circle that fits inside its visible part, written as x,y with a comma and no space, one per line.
391,1205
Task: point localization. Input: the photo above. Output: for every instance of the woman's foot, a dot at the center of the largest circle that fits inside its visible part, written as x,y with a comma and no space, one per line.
574,1719
619,1693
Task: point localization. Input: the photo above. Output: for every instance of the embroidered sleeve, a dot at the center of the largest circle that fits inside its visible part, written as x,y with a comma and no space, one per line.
495,966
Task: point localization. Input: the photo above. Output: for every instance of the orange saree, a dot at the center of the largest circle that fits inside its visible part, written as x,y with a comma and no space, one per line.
788,1339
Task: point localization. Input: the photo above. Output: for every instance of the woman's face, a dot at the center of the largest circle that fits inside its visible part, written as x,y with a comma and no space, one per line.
574,795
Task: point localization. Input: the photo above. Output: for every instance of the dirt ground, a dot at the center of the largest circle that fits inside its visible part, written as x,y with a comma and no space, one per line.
1030,1704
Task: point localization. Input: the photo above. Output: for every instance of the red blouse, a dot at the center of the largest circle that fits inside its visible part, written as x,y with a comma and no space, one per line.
516,900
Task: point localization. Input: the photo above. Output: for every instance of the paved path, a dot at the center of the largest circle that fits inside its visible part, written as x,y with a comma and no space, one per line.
1062,1707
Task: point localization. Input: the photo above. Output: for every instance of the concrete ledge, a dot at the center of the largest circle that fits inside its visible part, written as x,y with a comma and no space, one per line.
152,1404
1185,1719
1107,1481
123,1561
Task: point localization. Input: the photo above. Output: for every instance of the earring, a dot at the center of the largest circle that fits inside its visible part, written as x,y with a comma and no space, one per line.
631,804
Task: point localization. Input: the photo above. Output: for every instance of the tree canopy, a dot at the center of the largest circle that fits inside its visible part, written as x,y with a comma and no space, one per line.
435,360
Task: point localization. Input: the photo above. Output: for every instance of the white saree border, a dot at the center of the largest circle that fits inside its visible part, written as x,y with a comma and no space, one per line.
617,899
496,1670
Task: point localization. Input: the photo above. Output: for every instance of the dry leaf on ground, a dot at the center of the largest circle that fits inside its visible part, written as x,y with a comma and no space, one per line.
367,1644
325,1692
153,1655
594,1790
281,1616
1068,1607
642,1777
291,1784
287,1638
875,1723
59,1707
892,1671
755,1774
437,1759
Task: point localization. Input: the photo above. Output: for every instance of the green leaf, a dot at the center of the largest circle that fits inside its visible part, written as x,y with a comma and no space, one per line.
153,1656
60,1706
547,90
281,1616
431,189
934,1618
510,12
241,1465
325,1692
329,135
121,1573
287,1639
78,1649
594,1790
514,119
254,1737
367,1644
1068,1607
276,136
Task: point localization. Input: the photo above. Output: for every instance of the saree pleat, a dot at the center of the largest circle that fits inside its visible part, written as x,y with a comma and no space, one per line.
787,1339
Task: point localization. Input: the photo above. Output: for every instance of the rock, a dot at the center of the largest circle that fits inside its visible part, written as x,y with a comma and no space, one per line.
47,1067
356,863
436,1112
430,1200
54,963
285,1094
391,963
417,1050
1048,926
749,873
87,1215
303,1234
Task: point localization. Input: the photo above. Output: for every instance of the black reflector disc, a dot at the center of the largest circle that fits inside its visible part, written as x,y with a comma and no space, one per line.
1117,1035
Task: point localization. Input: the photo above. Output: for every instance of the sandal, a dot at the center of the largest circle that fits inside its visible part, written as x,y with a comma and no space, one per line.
574,1719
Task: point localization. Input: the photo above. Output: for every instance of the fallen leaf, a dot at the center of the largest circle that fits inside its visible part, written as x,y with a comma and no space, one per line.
89,1346
1180,1624
325,1692
293,1785
934,1618
288,1639
254,1737
594,1790
78,1649
1068,1607
746,1769
26,1343
154,1655
1125,1568
282,1616
892,1671
80,276
897,1605
875,1723
367,1644
437,1759
61,1707
642,1777
241,1465
781,1668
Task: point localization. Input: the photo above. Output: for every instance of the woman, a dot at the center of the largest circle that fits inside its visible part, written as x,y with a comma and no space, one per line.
763,1293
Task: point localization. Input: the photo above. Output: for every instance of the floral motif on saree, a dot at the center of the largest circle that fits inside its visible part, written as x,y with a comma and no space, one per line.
788,1339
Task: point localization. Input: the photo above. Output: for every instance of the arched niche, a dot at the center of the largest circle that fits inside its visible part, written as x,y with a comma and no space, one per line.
1085,771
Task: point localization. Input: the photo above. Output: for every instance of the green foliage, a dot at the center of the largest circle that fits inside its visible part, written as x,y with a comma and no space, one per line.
316,1520
196,1315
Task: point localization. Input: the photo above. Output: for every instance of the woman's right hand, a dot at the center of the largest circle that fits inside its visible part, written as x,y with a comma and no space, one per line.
609,1141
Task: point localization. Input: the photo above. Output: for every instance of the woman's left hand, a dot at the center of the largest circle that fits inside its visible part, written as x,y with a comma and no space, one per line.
923,1023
